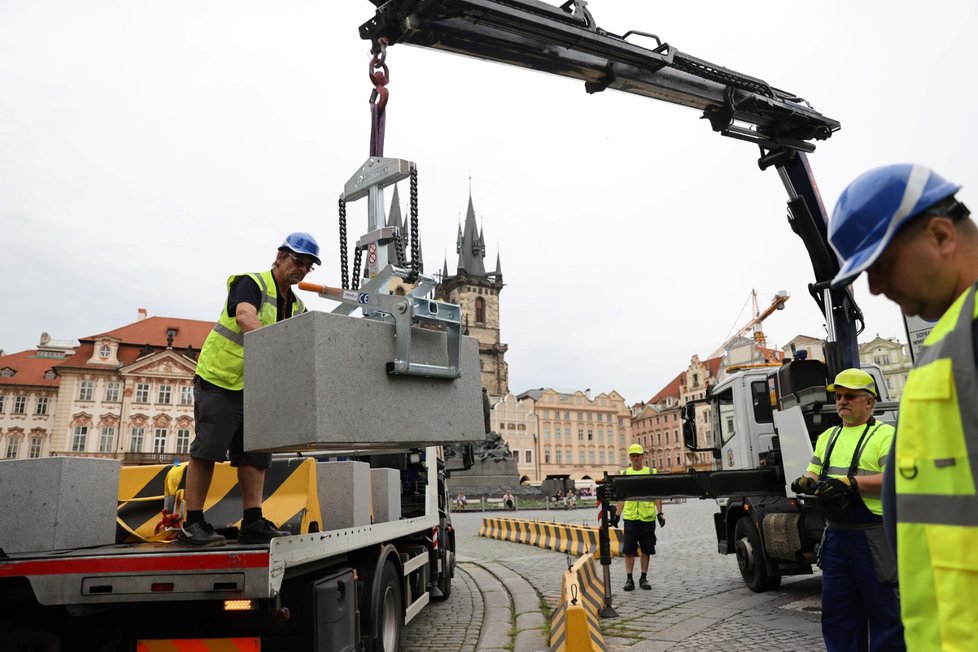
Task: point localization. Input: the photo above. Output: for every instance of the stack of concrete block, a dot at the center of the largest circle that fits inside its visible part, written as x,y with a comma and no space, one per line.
55,503
319,381
344,494
385,490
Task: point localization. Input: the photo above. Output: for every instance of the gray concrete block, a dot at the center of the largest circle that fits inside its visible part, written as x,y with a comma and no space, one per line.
53,503
385,491
344,494
319,381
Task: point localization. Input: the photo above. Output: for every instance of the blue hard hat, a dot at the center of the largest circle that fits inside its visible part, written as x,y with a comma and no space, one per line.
874,207
302,243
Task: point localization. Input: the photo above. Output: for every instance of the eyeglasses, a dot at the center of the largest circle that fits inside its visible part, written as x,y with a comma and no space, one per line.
849,396
308,263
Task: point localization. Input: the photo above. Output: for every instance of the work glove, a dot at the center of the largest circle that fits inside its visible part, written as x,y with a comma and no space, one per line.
834,488
661,518
613,516
804,485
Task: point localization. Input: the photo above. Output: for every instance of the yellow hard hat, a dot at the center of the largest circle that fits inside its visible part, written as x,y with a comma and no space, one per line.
854,379
636,449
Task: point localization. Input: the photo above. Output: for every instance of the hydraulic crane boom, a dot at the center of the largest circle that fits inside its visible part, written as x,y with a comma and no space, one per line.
566,41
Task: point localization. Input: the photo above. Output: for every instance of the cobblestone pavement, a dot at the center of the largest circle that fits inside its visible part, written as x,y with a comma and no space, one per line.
697,602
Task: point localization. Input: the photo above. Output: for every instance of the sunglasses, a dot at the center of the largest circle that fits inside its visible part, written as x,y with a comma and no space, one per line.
848,396
299,261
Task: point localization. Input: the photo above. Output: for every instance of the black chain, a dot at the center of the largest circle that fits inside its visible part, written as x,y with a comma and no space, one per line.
719,74
399,247
343,251
416,263
355,279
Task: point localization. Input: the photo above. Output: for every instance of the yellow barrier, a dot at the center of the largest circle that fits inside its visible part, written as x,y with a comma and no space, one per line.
291,498
560,537
574,624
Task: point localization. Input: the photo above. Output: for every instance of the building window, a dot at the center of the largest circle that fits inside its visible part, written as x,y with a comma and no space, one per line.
112,392
559,456
187,395
159,440
104,351
2,397
164,395
546,434
42,405
13,444
546,456
580,457
20,405
35,450
480,310
85,390
590,434
528,457
107,440
580,434
142,393
136,443
183,440
79,439
515,454
567,435
590,457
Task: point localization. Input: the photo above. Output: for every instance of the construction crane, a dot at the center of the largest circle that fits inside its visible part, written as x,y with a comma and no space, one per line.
755,324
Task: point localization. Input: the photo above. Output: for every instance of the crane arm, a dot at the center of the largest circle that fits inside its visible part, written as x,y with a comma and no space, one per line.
566,41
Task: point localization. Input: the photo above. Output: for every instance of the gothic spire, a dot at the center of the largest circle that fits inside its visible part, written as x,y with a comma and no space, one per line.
394,219
472,249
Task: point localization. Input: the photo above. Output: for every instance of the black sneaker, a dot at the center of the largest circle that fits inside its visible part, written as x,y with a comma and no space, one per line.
644,584
629,584
261,531
201,535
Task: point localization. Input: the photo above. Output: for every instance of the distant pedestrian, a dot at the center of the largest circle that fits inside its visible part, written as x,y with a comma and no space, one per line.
508,501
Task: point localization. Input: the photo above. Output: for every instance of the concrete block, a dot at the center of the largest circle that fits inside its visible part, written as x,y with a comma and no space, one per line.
319,381
53,503
385,490
344,494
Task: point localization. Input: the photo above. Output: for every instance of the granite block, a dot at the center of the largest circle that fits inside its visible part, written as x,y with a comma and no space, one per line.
385,491
319,381
344,494
55,503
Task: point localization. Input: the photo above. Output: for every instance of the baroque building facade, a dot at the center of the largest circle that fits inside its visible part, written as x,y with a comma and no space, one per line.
477,291
893,360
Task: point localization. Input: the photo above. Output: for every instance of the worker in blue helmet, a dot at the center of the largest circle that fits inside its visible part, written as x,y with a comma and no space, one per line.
254,300
904,225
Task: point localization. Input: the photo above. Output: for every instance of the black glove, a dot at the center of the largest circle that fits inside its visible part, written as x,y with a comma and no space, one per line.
661,518
834,488
613,516
804,485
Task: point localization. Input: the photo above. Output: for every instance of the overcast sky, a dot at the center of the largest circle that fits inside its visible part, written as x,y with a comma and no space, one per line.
150,149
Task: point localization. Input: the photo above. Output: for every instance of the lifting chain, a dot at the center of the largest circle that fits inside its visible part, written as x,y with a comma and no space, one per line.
379,76
417,266
355,279
344,254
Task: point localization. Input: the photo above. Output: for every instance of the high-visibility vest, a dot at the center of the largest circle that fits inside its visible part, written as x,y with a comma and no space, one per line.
638,510
937,488
221,359
871,456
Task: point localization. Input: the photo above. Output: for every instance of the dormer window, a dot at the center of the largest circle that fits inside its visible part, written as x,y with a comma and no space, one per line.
104,351
7,372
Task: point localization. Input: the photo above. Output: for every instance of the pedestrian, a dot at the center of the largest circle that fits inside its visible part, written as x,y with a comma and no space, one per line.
859,575
640,517
508,500
905,227
254,300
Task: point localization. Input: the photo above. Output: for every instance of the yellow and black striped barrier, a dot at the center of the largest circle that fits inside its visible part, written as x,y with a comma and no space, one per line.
574,624
560,537
290,498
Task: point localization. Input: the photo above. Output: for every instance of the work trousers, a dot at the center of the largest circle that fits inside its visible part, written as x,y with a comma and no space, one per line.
859,612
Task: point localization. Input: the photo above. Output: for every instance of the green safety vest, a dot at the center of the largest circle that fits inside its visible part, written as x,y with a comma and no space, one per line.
937,488
221,359
638,510
871,455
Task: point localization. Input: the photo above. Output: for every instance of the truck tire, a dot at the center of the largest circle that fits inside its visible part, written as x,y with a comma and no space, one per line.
388,610
751,559
446,553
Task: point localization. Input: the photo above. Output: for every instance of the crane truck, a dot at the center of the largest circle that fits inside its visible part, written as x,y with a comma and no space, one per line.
765,420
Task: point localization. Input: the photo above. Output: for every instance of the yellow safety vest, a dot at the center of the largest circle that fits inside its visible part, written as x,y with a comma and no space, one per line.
221,359
638,510
937,488
872,455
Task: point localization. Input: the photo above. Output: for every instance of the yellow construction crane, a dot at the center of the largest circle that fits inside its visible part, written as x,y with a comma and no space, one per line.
755,324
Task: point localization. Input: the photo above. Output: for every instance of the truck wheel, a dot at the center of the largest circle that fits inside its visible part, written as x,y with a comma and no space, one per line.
388,610
750,558
447,570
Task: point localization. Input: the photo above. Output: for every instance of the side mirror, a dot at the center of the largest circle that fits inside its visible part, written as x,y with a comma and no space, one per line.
688,414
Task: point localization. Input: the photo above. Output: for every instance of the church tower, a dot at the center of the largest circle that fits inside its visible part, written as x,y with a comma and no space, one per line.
477,292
